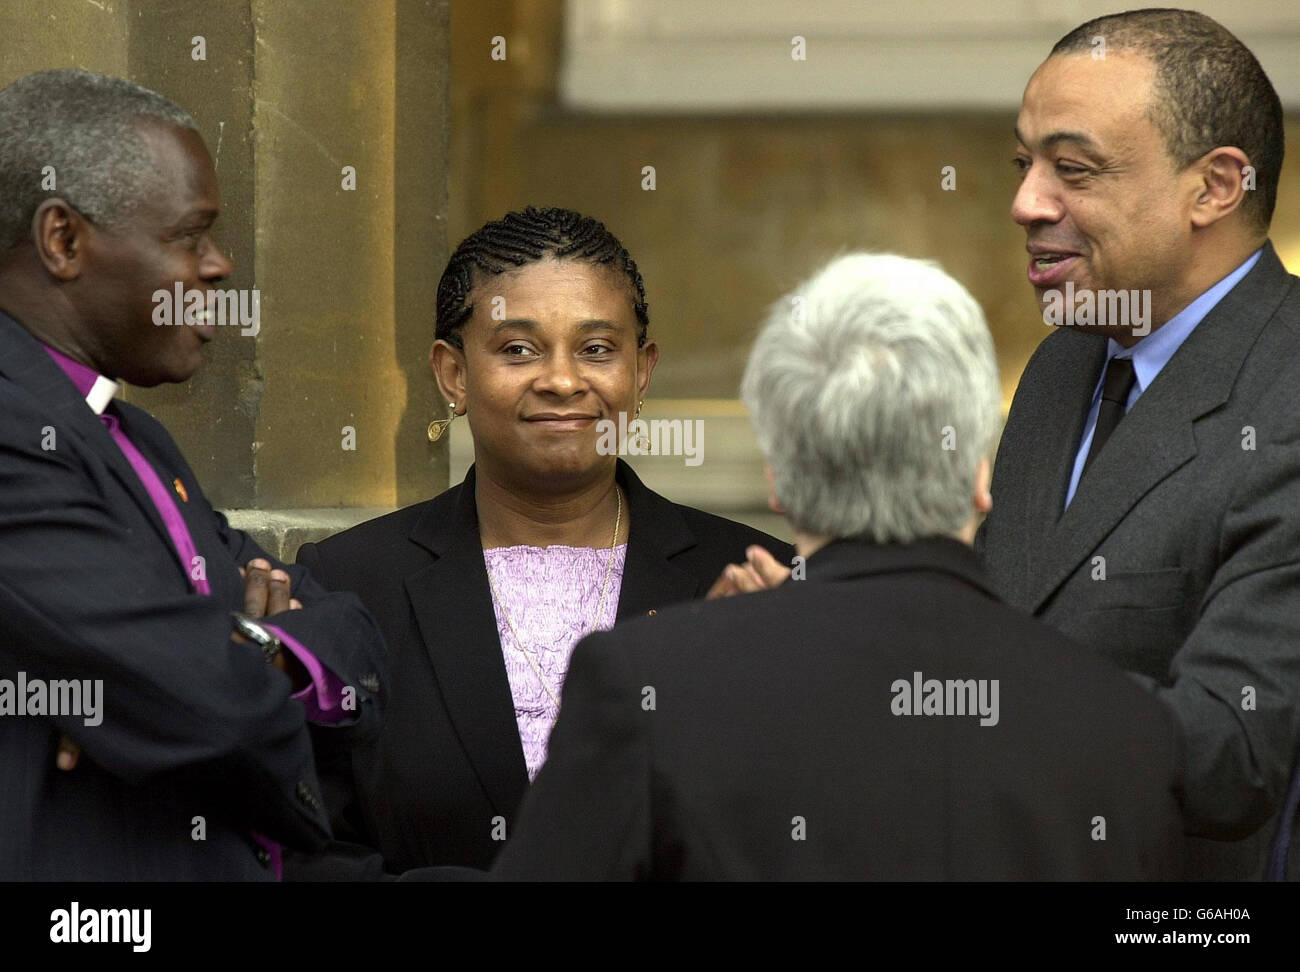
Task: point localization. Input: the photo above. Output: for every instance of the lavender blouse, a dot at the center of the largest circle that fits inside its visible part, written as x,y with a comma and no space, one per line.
551,595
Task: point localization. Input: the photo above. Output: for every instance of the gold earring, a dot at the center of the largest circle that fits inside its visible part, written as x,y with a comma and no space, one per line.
438,426
642,440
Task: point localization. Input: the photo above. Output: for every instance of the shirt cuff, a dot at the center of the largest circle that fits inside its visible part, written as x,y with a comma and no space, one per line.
323,698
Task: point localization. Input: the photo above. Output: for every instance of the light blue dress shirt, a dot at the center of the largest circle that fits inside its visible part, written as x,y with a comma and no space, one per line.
1151,354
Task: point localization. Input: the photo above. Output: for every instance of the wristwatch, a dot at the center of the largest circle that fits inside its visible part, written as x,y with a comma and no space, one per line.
260,635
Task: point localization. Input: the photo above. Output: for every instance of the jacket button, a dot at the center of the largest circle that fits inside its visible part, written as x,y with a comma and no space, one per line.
651,613
264,857
306,796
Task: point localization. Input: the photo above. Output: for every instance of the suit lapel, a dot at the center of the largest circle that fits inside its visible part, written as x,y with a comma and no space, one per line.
1156,437
657,533
1038,449
1150,443
1071,378
172,469
24,361
453,608
457,623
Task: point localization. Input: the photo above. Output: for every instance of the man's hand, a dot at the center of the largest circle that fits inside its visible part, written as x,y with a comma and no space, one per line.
266,592
760,572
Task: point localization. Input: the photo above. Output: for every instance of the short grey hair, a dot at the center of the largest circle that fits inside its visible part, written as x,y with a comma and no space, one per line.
83,125
874,392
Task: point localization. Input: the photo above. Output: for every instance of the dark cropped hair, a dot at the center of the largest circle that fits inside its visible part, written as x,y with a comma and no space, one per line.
526,237
1209,91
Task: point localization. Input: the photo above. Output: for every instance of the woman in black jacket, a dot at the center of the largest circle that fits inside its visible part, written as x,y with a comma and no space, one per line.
483,591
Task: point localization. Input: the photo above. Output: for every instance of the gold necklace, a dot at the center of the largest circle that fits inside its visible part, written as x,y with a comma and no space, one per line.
600,607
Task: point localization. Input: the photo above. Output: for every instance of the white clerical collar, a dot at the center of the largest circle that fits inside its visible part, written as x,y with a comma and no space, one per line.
103,391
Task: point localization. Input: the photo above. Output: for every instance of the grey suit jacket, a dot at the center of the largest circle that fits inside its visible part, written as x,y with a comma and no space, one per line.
1179,556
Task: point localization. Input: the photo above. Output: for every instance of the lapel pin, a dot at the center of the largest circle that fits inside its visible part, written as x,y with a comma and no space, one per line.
180,490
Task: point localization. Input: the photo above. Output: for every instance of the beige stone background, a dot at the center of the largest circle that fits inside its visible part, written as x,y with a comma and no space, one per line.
444,138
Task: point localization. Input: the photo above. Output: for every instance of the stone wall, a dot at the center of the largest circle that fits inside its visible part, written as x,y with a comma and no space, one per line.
286,95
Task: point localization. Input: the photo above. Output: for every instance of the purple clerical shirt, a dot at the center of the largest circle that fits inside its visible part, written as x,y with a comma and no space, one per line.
322,700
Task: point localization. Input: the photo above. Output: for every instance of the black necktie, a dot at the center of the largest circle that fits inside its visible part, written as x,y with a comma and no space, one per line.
1115,388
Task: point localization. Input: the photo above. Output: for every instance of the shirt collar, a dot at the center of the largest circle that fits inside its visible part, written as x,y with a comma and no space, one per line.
97,390
1153,352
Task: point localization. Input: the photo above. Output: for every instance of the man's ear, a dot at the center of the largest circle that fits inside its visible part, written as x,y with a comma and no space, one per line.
1221,182
448,365
60,234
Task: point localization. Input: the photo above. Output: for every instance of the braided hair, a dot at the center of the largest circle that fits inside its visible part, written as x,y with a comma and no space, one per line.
525,237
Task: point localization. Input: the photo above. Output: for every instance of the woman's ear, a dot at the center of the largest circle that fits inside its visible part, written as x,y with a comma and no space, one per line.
647,356
448,365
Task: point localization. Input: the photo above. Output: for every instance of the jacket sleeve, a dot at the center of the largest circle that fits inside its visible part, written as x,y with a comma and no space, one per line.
334,627
1236,678
587,816
83,597
337,629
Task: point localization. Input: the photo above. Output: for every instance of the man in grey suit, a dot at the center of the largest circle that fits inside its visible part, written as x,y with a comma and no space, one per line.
1147,484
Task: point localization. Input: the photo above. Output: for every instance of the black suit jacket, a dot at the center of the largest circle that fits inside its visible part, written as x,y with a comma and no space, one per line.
194,724
448,766
757,738
1179,556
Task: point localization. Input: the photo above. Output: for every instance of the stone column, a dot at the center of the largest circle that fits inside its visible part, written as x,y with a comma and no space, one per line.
328,122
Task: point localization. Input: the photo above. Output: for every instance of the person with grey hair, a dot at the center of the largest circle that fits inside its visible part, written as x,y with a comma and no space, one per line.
56,122
150,737
881,714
